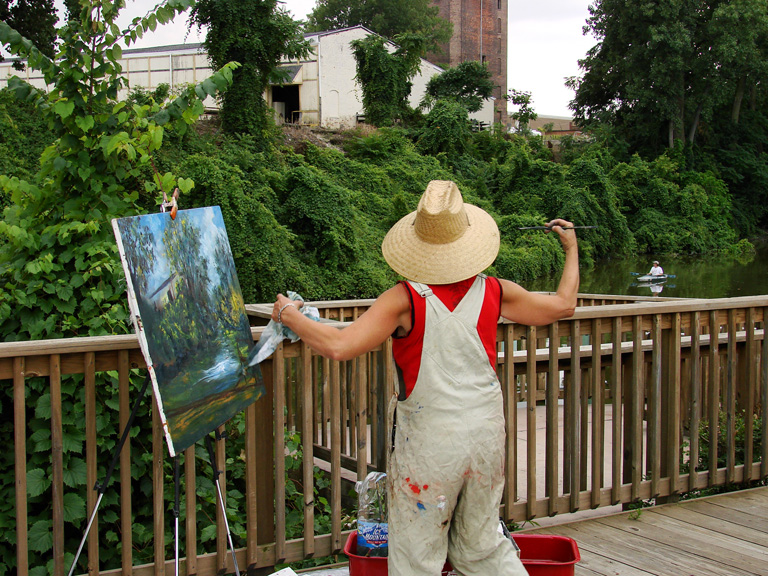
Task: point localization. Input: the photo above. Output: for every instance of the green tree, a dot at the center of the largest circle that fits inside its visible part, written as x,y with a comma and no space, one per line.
446,129
61,275
385,77
256,34
525,112
468,83
659,70
386,17
33,19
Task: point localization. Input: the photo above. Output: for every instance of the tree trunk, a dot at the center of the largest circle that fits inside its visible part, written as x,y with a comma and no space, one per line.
695,124
671,133
737,99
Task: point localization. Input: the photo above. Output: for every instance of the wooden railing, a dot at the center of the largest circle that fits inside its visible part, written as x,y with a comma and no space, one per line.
622,390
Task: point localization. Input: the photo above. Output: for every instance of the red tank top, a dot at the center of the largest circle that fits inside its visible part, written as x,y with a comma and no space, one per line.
407,349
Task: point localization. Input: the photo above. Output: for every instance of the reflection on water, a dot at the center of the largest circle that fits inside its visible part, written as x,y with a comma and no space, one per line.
695,277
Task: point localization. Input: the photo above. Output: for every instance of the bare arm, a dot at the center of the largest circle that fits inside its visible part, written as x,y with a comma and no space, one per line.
390,311
533,309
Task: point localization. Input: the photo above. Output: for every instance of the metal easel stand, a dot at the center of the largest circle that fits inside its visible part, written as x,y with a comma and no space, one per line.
101,487
176,509
216,473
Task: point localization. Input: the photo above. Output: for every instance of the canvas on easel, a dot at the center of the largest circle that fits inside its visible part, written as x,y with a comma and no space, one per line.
190,319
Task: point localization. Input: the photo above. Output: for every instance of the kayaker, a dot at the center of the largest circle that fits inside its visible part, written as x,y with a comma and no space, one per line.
656,270
446,466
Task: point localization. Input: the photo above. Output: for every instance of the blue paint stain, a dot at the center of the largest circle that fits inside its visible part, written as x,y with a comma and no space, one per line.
420,506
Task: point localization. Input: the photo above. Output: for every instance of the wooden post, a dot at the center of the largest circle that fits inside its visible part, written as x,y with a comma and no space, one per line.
263,444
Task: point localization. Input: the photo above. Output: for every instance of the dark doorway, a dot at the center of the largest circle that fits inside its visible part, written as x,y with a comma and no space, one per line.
289,96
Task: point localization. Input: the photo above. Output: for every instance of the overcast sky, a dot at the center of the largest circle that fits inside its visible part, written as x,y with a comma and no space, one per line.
545,44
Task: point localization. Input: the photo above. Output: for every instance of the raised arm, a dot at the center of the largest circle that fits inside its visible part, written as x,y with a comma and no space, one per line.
389,312
520,305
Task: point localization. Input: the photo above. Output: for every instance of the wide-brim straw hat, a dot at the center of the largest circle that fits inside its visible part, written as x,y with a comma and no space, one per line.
444,240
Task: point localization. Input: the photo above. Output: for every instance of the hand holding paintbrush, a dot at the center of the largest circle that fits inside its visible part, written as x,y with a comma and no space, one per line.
550,227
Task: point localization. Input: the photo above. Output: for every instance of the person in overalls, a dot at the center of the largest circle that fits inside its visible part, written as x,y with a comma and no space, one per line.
446,468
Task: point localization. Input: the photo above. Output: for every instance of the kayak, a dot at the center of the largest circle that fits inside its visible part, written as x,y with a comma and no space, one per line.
653,279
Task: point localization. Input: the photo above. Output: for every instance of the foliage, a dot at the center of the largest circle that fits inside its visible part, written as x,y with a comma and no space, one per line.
23,137
709,437
446,129
687,77
33,19
525,112
388,18
61,274
143,97
384,79
673,209
256,34
659,70
60,255
469,83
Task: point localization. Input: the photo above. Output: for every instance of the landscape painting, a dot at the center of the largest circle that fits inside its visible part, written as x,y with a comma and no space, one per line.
190,317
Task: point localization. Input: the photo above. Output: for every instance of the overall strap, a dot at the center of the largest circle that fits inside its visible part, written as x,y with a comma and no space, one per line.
421,289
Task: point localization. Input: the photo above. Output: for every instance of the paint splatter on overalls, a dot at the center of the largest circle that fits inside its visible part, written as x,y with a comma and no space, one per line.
446,471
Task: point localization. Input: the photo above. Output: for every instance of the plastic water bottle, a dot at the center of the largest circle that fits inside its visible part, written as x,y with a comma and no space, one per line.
372,526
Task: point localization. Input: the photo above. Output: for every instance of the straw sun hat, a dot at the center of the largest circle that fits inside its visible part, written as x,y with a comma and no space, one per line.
444,240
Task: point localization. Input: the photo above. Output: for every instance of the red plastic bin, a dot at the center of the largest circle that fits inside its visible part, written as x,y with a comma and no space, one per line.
541,554
548,554
362,565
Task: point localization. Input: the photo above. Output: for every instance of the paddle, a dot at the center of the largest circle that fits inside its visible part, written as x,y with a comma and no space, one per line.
645,273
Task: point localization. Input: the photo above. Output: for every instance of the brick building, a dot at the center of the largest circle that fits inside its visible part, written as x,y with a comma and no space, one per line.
479,33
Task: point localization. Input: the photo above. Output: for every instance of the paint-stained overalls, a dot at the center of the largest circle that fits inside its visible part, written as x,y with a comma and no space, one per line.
446,470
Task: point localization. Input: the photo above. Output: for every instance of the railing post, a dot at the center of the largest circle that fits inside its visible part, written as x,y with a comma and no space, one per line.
263,441
20,464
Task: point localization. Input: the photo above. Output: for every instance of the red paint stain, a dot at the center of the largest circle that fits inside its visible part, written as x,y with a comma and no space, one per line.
415,488
425,487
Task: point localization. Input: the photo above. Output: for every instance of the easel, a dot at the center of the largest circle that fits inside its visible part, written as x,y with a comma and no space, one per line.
100,487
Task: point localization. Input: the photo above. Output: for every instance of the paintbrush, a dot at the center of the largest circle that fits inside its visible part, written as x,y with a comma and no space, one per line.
550,228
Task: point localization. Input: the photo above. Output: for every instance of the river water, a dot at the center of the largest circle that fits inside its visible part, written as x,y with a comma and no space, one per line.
695,277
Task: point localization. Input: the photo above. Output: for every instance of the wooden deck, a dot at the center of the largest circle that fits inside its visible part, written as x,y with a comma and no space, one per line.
724,535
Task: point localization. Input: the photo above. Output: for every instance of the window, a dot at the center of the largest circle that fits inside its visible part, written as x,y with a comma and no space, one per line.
498,4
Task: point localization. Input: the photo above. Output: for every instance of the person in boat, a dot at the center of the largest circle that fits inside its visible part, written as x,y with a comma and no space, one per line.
656,269
445,473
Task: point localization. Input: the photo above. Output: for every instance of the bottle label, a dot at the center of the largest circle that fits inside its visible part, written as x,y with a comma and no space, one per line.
372,534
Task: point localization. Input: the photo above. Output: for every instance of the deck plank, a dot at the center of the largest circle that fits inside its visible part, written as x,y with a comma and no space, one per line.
737,516
700,542
661,559
720,535
720,525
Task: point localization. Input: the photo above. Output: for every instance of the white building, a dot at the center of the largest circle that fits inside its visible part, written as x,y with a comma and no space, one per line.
321,91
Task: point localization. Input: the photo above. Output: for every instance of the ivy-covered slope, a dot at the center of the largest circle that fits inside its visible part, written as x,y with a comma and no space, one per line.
312,220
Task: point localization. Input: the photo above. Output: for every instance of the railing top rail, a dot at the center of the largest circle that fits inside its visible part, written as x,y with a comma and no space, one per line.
129,341
669,306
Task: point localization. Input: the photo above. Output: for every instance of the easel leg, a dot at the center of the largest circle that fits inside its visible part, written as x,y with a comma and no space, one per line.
101,487
216,473
177,482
